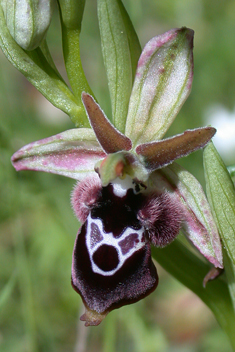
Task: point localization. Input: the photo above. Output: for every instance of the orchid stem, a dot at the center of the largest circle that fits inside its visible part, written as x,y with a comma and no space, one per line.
73,64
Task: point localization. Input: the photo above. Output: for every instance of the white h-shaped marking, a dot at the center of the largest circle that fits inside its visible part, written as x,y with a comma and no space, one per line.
110,240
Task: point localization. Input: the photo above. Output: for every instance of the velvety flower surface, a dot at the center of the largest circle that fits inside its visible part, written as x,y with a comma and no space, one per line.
130,193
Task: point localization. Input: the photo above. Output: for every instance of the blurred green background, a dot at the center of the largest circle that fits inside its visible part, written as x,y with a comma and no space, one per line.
39,310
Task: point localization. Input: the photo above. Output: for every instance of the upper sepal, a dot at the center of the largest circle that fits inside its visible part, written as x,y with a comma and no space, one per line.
162,83
72,153
109,137
161,153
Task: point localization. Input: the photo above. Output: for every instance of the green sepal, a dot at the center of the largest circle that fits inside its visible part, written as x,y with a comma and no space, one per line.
121,51
162,83
198,225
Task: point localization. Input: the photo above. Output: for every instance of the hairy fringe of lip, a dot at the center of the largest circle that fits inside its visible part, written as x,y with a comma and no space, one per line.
112,263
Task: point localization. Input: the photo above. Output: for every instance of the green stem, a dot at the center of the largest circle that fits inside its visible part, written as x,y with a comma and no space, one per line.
109,337
76,75
46,52
186,267
71,14
73,64
231,170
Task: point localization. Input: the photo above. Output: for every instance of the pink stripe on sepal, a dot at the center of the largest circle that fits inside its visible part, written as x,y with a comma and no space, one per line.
72,153
109,137
162,83
198,223
161,153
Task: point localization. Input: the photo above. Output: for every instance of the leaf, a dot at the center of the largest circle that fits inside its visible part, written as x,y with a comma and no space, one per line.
231,170
221,195
72,153
121,51
162,84
198,225
161,153
7,290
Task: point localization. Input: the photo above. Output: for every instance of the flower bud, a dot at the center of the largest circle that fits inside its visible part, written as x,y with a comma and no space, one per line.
28,20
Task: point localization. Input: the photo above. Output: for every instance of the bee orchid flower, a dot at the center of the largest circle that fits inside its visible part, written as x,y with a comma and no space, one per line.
131,193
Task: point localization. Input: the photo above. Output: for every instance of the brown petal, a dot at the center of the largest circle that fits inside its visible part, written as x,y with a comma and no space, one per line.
161,153
109,137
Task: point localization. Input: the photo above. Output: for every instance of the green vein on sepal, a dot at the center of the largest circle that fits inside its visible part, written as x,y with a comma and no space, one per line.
162,84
